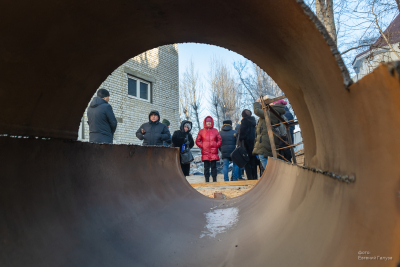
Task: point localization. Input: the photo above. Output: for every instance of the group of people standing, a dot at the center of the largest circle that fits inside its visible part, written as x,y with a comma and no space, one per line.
250,134
103,124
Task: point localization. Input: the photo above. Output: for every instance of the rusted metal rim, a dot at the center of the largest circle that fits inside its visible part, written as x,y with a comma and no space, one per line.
298,53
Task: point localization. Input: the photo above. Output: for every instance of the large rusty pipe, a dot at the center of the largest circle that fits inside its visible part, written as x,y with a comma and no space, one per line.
70,204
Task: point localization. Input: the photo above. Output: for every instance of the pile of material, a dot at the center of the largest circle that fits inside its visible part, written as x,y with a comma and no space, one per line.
226,192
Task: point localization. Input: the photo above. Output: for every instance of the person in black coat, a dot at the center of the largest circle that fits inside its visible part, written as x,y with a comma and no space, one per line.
237,172
228,145
169,141
183,136
101,119
247,134
153,132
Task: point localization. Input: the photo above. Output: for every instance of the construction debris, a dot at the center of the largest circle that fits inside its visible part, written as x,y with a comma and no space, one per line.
226,192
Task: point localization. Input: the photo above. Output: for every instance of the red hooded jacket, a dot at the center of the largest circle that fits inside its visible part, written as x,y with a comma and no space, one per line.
209,141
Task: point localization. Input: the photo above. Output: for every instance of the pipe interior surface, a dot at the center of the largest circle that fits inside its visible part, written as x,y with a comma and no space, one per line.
68,203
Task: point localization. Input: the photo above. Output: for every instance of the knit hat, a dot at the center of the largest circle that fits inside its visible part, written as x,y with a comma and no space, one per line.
188,125
209,119
246,113
102,93
227,122
166,122
280,102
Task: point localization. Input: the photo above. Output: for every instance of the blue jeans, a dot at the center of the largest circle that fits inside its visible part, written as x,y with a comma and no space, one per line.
236,172
165,143
226,169
263,160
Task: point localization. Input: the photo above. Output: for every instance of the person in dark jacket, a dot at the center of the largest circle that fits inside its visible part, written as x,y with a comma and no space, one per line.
101,119
169,141
237,172
153,133
247,134
228,145
183,136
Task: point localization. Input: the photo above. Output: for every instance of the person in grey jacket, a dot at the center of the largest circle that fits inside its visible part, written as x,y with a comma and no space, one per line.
153,133
101,119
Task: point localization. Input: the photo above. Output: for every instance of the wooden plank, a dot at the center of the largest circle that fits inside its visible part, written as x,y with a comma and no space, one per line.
281,139
276,113
293,123
269,101
286,122
231,183
284,158
290,146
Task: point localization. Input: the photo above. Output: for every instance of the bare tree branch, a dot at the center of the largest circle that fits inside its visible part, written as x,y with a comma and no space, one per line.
239,67
225,92
256,82
191,84
353,48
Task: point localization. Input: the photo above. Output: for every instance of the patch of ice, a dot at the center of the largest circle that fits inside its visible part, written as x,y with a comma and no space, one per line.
219,221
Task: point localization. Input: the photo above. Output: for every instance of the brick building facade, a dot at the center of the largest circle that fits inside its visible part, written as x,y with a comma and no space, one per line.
149,81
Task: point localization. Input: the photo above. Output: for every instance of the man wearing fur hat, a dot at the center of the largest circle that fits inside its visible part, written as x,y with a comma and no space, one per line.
153,133
228,145
101,119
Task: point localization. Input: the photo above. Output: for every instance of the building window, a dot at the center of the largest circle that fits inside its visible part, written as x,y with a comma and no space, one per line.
139,88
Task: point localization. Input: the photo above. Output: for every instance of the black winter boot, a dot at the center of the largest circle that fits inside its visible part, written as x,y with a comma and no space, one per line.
214,179
207,179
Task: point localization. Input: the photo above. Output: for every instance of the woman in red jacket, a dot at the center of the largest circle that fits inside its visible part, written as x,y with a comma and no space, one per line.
209,140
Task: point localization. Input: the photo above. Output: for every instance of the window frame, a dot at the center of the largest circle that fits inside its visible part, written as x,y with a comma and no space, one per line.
138,81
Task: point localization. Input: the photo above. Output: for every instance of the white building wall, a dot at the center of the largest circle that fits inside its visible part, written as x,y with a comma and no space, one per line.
366,63
160,66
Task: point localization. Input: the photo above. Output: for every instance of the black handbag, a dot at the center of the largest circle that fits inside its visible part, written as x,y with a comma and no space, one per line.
186,155
239,156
